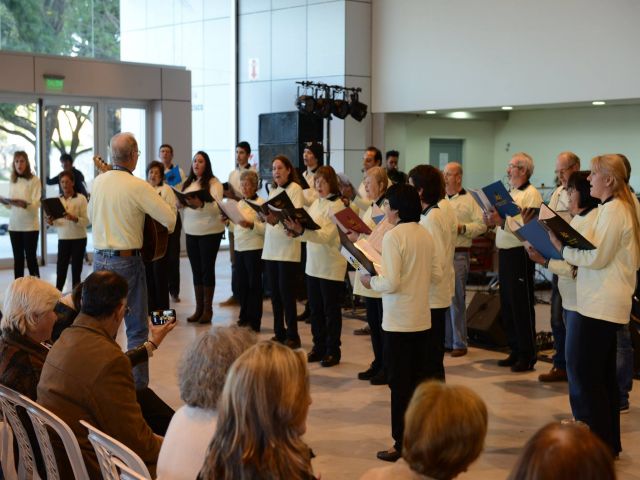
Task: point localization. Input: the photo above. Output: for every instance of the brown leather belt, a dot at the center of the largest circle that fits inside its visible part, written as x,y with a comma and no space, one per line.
119,253
463,249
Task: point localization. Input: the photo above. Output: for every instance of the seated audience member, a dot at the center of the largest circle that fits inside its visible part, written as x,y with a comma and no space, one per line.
262,416
87,376
202,374
564,450
445,428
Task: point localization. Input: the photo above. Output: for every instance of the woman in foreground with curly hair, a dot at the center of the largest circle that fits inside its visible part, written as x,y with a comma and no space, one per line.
262,416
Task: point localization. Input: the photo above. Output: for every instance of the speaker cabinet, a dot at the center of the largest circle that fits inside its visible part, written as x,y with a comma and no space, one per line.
484,326
286,133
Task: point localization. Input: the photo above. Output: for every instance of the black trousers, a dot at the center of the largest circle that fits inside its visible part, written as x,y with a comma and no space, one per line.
203,251
436,346
173,259
325,299
282,281
70,251
374,319
155,411
25,245
407,363
157,284
515,273
248,268
235,282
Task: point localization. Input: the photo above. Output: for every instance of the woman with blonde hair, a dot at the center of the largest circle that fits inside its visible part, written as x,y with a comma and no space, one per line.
24,225
375,184
605,283
445,428
262,416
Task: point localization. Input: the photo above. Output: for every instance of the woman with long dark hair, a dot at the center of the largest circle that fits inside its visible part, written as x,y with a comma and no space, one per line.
204,228
24,225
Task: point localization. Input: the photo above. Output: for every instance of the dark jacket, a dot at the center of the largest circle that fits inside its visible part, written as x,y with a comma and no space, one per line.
86,376
21,361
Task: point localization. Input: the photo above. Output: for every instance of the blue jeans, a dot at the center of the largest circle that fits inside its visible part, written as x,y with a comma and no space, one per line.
591,369
557,326
624,364
132,269
456,316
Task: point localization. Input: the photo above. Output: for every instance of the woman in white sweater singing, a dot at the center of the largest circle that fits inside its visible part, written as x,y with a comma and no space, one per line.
24,226
72,231
409,269
325,269
204,229
281,255
605,283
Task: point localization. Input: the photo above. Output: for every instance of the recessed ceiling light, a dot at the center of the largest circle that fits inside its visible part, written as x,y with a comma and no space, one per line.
459,115
598,102
507,108
431,112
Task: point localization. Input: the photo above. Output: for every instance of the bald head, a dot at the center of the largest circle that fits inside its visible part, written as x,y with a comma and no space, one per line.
566,164
452,177
124,150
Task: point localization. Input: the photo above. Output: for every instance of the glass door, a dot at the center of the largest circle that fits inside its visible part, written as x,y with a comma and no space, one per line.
18,131
131,119
69,139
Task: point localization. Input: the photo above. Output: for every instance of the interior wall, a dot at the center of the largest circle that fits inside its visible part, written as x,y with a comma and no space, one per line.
410,135
435,54
488,145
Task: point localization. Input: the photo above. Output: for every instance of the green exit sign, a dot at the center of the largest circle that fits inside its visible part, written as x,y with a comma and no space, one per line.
54,84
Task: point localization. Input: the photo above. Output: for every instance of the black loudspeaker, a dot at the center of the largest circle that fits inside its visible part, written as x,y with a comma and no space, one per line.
286,133
484,326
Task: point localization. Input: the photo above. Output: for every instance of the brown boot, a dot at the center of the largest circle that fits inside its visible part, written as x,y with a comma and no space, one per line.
207,310
198,313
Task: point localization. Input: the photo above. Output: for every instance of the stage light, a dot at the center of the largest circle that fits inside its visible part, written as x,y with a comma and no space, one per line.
358,110
306,103
323,105
340,107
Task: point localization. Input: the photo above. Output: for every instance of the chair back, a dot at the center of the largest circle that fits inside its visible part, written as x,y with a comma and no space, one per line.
9,400
112,454
41,418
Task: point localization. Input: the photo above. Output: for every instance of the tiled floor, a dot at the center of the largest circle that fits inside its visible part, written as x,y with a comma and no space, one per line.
349,419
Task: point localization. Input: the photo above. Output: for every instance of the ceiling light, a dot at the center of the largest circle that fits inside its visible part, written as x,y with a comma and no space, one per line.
358,110
507,108
459,115
598,102
431,112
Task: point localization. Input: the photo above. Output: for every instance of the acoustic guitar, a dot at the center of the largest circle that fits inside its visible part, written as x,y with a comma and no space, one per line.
155,235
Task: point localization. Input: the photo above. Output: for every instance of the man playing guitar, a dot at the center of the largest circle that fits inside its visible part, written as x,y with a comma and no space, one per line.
117,209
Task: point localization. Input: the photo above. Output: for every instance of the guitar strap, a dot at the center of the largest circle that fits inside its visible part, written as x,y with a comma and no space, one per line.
122,169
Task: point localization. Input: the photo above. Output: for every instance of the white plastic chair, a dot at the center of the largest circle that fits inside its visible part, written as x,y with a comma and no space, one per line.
41,418
9,400
112,455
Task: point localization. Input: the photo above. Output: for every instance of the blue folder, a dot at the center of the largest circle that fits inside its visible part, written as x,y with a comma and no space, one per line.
501,199
538,236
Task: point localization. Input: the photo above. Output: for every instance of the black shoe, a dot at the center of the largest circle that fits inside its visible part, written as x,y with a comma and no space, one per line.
379,378
330,360
314,356
293,343
367,374
391,455
522,366
305,314
508,362
279,340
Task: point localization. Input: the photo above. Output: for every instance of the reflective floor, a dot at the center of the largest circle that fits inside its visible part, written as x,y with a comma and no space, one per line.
349,419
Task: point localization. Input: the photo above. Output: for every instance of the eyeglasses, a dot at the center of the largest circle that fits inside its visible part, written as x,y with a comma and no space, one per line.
510,166
385,203
127,310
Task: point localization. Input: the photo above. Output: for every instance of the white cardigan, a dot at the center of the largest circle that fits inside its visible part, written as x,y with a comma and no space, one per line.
67,229
249,238
410,267
277,245
358,288
438,224
529,197
607,275
205,220
25,219
566,281
324,259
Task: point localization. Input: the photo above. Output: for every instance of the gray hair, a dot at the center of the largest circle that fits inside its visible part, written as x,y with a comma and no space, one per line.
204,365
25,301
250,175
123,146
525,161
